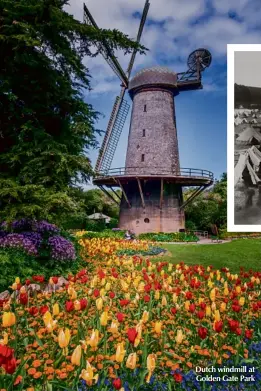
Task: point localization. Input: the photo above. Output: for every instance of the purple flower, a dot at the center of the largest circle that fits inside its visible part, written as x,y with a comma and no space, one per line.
61,248
34,237
22,225
18,241
44,226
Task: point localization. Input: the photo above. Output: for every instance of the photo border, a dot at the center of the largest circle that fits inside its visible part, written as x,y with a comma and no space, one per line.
231,49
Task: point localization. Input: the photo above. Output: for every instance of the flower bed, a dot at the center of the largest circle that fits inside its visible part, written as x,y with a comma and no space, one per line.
169,237
128,324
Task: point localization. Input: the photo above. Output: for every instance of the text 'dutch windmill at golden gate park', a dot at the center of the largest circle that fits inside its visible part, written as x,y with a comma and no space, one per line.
152,179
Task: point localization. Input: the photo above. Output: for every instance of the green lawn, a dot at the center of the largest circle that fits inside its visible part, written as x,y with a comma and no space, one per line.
242,252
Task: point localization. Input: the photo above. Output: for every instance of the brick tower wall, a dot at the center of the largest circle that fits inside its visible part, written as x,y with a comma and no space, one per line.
151,218
153,136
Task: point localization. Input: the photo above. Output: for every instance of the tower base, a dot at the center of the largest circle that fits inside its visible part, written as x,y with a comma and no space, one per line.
158,210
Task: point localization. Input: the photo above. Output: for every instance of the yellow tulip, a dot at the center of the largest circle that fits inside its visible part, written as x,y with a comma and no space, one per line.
164,301
56,309
226,291
120,352
213,306
145,316
94,340
241,301
187,304
141,287
4,341
72,293
223,306
77,305
17,280
213,294
88,374
208,310
47,318
104,318
76,356
14,286
151,365
217,316
131,361
179,337
238,289
99,304
210,284
113,328
108,286
157,327
64,338
157,295
182,277
175,298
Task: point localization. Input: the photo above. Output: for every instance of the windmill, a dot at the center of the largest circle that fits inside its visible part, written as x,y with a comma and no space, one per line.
151,181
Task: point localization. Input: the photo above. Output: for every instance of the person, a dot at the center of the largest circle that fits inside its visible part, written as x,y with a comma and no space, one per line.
127,235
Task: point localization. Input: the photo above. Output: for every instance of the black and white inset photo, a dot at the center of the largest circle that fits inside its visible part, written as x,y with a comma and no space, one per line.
244,138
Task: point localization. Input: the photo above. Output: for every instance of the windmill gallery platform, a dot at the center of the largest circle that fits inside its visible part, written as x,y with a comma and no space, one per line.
152,180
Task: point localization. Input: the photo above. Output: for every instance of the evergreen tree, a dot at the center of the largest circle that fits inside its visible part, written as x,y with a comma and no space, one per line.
46,127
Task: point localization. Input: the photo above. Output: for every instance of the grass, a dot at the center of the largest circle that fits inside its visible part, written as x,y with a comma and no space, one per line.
241,252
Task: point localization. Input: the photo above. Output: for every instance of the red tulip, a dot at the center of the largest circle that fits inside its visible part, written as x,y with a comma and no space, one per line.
112,295
173,310
146,298
96,292
178,377
218,326
192,308
132,334
120,317
23,298
69,306
44,309
117,384
83,303
124,302
233,324
200,314
203,306
33,311
55,280
202,332
249,333
189,295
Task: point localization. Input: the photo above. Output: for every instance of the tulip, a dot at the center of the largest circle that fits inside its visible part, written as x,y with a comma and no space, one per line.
157,327
223,306
104,318
210,284
17,280
120,352
102,292
141,287
4,341
88,375
99,304
124,286
108,286
217,316
94,340
47,318
175,298
8,319
145,316
187,304
113,328
179,337
72,293
76,356
238,289
151,365
131,361
213,294
226,291
164,301
56,309
64,338
241,301
182,278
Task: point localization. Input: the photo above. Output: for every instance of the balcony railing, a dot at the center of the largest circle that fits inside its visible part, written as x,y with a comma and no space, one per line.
155,171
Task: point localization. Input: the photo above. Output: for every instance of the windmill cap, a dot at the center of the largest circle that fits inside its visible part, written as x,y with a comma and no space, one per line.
152,77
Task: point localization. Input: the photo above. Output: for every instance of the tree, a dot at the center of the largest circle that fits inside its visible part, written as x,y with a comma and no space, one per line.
210,207
46,127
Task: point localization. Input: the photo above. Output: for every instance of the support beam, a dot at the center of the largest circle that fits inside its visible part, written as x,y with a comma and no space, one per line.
193,195
117,195
161,192
109,195
141,193
123,192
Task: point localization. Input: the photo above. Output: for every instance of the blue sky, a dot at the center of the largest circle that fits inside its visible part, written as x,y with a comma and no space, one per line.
174,29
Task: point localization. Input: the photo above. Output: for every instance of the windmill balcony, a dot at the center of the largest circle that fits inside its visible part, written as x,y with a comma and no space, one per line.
183,176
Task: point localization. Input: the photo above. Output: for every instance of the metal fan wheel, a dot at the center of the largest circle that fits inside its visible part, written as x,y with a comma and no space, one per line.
201,56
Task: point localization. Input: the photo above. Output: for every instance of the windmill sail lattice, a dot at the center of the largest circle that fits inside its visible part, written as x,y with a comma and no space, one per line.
116,123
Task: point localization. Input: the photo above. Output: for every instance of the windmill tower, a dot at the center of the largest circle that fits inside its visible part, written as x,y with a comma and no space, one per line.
151,181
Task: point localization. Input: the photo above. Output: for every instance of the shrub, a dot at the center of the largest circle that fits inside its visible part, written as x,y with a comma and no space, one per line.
107,233
152,251
35,247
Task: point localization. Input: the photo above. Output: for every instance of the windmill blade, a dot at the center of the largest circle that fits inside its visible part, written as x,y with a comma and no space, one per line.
116,123
105,49
142,23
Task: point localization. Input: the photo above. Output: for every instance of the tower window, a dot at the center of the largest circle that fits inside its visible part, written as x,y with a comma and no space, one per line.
145,108
143,133
142,157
